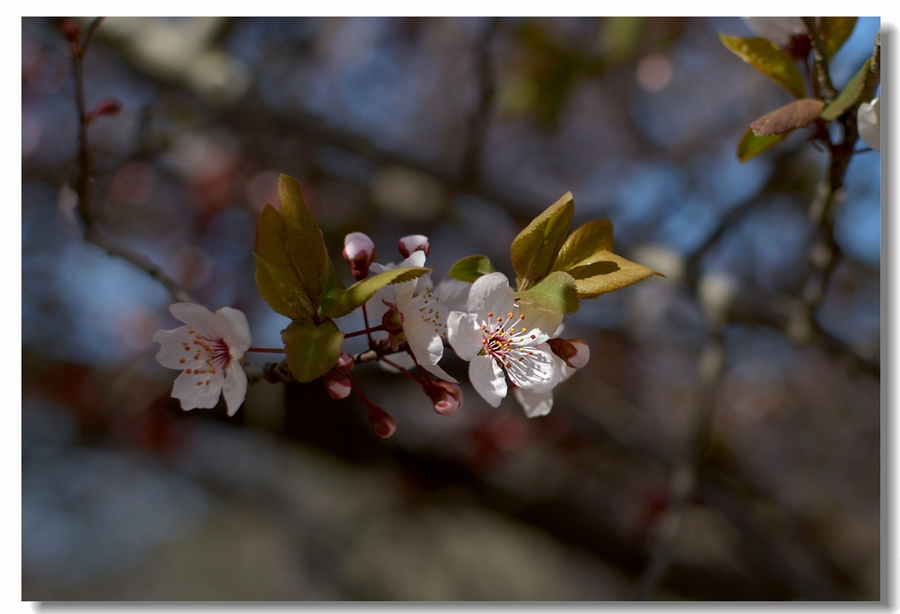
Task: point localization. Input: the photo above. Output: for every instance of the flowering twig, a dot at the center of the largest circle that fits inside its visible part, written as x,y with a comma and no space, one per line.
85,180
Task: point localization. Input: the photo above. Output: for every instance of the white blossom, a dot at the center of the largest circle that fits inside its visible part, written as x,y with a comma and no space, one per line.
209,349
421,309
501,338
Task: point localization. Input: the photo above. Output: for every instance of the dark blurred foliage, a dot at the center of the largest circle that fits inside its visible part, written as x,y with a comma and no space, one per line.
700,386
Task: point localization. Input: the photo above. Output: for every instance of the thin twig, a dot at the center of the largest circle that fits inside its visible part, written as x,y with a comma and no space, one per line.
85,182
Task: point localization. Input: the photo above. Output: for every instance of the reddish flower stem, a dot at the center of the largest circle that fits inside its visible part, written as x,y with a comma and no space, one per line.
366,331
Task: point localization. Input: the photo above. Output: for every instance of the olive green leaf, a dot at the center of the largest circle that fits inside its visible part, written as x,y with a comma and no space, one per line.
768,59
834,32
333,289
360,292
534,250
283,295
311,350
584,242
849,96
751,145
471,268
605,272
556,293
790,117
305,245
277,280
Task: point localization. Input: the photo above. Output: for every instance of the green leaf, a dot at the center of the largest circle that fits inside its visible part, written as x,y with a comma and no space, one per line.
333,289
751,145
767,58
304,240
849,96
360,292
282,295
584,242
790,117
277,280
555,293
534,250
471,268
271,243
834,32
608,272
311,350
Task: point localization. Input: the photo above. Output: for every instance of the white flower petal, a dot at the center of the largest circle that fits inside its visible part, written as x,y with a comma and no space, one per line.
172,352
197,317
194,392
487,378
547,321
235,387
464,335
534,403
234,330
491,294
537,371
453,295
425,343
404,293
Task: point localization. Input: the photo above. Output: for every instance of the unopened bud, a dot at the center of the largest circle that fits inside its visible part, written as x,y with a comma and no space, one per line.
345,364
108,107
574,352
382,422
359,252
446,396
338,385
414,243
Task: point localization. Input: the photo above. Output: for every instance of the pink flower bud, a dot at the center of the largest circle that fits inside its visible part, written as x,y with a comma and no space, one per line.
382,422
338,385
574,352
345,364
359,252
414,243
447,396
